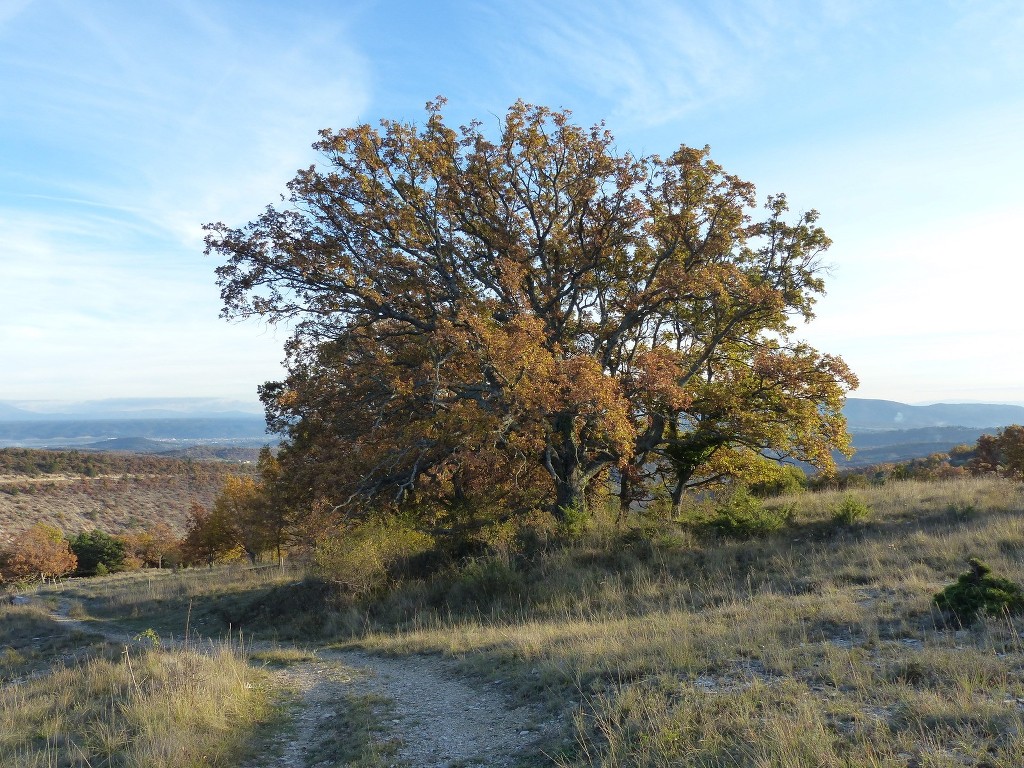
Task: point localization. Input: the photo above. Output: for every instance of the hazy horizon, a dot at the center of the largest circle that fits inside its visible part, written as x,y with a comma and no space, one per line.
200,403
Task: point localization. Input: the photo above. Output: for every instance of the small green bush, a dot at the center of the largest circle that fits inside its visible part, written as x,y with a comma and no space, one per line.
484,582
851,511
783,480
744,516
976,592
574,521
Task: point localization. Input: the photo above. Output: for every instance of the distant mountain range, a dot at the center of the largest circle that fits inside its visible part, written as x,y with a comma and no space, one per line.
862,415
883,430
128,408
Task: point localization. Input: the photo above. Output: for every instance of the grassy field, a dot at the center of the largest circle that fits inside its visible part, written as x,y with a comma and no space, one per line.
71,699
819,646
667,645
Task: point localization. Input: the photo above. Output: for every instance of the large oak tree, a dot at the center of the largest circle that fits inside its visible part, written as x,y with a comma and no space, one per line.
525,313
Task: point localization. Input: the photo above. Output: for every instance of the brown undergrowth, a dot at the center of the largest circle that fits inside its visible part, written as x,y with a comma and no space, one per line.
78,492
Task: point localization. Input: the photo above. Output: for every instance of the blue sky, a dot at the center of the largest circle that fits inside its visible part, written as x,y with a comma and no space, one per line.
125,126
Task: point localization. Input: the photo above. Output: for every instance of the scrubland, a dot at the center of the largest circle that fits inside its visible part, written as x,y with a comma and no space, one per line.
78,492
819,646
666,644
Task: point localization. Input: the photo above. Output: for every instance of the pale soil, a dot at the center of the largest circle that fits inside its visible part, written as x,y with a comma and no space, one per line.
436,718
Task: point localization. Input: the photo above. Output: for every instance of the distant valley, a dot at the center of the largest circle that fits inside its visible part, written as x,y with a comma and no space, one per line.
883,430
143,425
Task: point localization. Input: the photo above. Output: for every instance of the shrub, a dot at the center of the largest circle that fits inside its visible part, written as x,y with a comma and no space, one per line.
783,480
96,549
362,559
850,511
574,521
744,516
978,591
485,581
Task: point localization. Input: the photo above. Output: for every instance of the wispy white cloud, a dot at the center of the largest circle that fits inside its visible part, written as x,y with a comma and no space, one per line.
127,132
197,124
127,127
657,61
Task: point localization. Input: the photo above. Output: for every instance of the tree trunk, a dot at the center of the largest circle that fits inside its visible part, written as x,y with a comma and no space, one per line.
562,459
571,495
677,497
626,496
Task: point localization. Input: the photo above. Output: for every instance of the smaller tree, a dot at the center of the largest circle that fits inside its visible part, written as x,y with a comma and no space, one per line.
99,552
252,514
209,537
240,509
1011,445
1002,453
154,545
40,552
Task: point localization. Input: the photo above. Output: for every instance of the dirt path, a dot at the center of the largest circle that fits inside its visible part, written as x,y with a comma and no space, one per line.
433,717
421,712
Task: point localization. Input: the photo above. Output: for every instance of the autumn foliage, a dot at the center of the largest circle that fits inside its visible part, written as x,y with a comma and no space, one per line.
1002,453
40,552
489,326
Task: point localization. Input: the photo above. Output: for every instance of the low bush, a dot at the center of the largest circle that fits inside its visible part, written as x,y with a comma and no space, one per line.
977,591
365,558
851,510
744,516
485,582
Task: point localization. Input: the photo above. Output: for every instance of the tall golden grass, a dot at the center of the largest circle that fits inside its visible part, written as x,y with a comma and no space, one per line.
87,703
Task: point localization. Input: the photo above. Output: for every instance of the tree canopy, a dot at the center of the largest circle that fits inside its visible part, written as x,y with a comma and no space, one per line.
511,319
38,552
1002,453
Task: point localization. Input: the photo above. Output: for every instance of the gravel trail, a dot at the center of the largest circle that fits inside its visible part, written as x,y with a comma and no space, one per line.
436,718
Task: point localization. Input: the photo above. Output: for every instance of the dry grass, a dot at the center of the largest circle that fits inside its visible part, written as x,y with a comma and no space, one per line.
817,647
659,646
31,641
150,709
69,698
206,600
